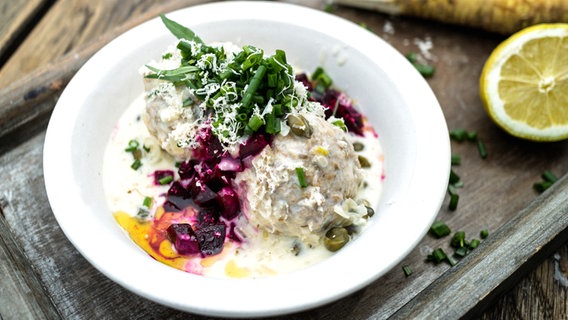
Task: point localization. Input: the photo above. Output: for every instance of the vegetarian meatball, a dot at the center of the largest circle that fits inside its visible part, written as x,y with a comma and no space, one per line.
271,193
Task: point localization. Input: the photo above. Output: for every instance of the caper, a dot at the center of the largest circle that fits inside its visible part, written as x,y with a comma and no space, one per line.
370,211
358,146
299,126
336,238
364,162
137,154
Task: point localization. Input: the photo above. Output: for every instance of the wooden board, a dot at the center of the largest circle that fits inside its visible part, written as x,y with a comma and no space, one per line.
17,17
497,194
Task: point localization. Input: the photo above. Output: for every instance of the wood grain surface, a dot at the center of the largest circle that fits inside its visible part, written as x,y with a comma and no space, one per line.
18,17
497,193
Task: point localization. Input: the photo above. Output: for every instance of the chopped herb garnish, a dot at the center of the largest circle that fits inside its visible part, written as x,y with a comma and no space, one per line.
454,199
136,164
301,177
540,187
180,31
407,270
461,252
454,178
458,135
132,146
440,229
458,240
548,179
474,243
549,176
484,233
147,202
165,180
482,150
438,255
425,70
456,160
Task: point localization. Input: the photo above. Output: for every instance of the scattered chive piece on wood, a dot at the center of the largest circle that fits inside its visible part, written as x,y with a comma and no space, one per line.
474,243
549,176
440,229
482,149
454,199
458,134
454,178
456,160
461,252
458,239
484,233
407,270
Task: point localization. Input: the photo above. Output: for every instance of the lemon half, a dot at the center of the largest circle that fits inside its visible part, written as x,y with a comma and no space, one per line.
524,83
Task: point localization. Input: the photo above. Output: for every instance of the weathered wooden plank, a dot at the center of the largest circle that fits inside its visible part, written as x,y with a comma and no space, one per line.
465,290
20,99
22,295
16,18
70,24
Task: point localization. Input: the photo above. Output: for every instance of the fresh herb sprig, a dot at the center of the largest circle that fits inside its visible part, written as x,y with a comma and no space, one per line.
243,92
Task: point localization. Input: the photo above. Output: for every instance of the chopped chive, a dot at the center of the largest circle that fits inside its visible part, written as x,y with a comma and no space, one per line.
456,160
454,178
407,270
461,252
484,233
255,122
549,176
542,186
425,70
439,255
482,150
329,8
147,202
458,184
458,134
454,199
132,146
474,243
471,135
452,189
136,164
440,229
165,180
301,177
458,239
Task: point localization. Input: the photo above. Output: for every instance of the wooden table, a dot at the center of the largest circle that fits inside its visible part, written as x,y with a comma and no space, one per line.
518,272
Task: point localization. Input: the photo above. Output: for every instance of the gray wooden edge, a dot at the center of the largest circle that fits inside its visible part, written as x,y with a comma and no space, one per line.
513,250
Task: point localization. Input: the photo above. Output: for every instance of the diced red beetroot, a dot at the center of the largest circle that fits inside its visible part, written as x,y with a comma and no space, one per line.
184,238
211,238
253,146
233,235
228,203
177,198
337,102
160,174
205,197
230,164
186,169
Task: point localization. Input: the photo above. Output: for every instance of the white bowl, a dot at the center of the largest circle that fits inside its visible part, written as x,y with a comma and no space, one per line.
394,97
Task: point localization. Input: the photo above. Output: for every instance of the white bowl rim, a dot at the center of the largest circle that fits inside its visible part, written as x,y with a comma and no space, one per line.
432,141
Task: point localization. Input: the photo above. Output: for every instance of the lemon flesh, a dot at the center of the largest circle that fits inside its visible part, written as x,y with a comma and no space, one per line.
524,83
